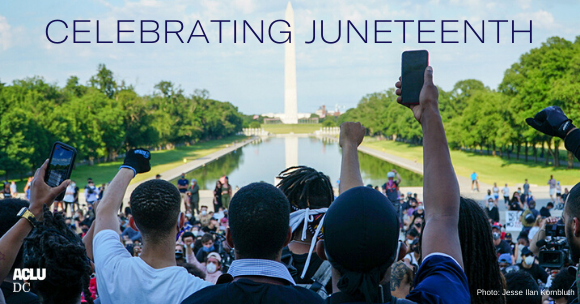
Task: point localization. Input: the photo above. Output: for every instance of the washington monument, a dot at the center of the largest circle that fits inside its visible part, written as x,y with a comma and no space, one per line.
290,100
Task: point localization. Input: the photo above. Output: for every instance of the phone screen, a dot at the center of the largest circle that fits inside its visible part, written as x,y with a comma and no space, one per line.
60,164
413,68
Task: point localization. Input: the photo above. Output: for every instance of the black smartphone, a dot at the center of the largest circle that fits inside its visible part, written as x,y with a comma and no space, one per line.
413,68
60,165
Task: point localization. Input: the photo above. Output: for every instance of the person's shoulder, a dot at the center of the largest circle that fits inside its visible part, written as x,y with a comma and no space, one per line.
440,279
209,294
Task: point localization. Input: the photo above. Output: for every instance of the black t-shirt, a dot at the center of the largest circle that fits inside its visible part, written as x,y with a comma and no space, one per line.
514,206
392,192
545,212
206,229
503,247
493,214
18,297
537,272
247,291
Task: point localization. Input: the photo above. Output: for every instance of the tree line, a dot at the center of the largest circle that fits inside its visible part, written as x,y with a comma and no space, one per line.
102,119
492,121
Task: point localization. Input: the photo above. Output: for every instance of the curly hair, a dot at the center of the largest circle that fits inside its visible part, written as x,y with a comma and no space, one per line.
56,248
479,254
155,207
256,208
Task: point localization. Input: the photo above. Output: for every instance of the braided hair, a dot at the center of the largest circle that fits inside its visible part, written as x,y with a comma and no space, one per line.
306,188
53,246
479,254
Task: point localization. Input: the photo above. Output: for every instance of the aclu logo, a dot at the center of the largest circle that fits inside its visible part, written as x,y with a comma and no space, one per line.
27,274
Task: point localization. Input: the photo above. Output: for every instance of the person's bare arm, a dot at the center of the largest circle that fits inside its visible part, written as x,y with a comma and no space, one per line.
88,241
11,241
136,161
111,202
397,176
351,136
440,186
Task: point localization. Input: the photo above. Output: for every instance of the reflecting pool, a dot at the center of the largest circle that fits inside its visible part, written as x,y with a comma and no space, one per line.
264,159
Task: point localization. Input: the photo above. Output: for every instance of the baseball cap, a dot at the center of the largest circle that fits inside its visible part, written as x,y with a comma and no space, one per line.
508,235
496,225
505,258
361,230
194,180
526,251
215,255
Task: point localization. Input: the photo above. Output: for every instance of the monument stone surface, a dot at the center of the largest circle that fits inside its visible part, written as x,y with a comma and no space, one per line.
290,98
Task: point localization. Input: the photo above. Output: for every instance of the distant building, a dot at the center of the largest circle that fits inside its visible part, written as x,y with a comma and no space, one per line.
322,112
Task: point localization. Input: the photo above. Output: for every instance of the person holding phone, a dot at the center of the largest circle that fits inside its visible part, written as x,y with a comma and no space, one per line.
553,122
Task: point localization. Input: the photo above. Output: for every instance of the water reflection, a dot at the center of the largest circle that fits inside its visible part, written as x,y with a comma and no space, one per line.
264,159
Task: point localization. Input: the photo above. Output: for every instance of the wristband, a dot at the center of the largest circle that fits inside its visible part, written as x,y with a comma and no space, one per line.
129,167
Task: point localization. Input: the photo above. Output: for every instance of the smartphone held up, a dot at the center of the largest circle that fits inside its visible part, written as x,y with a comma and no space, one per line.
60,165
413,65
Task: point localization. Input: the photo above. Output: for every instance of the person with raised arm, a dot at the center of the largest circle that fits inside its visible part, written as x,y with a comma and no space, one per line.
154,276
361,226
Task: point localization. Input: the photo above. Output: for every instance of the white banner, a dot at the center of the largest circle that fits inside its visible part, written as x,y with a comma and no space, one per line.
512,221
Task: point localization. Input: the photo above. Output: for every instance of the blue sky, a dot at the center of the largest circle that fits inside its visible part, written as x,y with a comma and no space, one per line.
251,75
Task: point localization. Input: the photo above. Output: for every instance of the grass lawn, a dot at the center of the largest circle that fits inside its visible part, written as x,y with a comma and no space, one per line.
160,161
296,129
490,169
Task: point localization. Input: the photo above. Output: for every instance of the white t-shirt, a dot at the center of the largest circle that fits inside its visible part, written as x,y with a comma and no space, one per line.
506,191
70,194
486,199
125,279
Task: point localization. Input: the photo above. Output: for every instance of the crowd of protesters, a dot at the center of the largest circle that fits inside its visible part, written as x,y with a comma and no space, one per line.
291,243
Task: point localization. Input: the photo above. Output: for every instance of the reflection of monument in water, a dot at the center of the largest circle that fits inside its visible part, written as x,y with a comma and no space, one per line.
290,115
291,149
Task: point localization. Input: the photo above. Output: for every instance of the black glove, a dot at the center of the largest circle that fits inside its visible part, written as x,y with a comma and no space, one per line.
551,121
137,160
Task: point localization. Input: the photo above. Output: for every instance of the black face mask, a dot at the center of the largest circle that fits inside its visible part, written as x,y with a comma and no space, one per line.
85,230
418,225
178,255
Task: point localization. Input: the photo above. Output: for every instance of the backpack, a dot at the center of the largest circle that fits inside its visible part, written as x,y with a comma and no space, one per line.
321,277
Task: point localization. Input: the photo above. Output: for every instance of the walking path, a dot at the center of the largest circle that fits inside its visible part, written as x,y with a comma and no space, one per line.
206,196
540,193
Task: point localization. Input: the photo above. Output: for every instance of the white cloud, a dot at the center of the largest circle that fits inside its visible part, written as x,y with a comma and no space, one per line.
5,33
246,6
524,4
540,19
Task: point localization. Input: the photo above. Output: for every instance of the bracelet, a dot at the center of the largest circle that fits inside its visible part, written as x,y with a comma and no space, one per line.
129,167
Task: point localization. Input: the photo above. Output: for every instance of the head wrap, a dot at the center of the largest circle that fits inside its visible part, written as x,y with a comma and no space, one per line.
312,220
361,236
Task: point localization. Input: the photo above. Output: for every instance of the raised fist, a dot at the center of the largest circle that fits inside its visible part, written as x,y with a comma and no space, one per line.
551,121
137,160
351,133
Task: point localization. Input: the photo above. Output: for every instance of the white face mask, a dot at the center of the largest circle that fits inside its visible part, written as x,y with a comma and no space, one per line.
420,207
195,232
529,260
73,185
211,268
203,212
